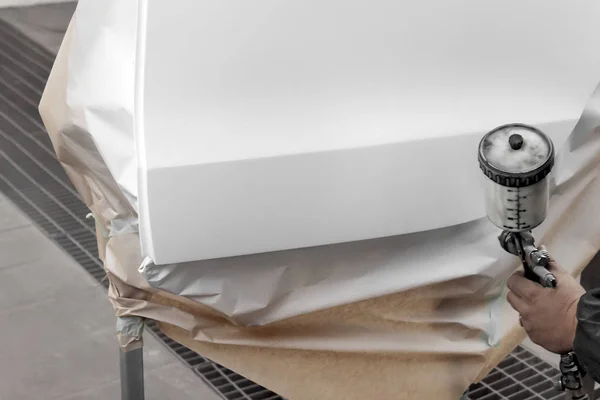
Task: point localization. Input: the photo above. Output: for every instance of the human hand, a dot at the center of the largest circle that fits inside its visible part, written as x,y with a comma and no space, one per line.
548,315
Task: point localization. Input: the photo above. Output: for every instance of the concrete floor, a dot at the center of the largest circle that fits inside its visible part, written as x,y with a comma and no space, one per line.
57,336
58,330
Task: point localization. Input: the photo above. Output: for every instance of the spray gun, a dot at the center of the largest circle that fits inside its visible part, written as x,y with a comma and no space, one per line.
517,159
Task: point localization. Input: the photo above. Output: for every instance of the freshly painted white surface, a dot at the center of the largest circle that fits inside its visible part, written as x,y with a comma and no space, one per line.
23,3
272,125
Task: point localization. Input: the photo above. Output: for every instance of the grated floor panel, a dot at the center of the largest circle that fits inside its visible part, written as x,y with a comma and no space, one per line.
33,179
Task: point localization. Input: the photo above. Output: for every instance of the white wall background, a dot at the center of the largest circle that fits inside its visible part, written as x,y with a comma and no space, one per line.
21,3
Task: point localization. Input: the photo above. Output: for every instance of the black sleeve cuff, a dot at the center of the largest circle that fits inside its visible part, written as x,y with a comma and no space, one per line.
587,337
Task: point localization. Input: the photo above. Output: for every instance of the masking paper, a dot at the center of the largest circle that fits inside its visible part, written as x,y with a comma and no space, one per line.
418,315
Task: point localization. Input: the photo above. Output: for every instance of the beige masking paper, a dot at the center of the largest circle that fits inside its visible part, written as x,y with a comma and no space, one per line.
420,315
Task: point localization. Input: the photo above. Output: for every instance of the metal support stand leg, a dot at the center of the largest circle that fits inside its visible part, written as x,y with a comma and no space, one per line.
129,336
132,374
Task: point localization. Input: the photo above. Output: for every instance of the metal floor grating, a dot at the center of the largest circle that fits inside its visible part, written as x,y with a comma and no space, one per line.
31,177
520,376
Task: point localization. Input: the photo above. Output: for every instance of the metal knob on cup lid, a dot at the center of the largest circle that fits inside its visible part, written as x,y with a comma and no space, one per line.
516,155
